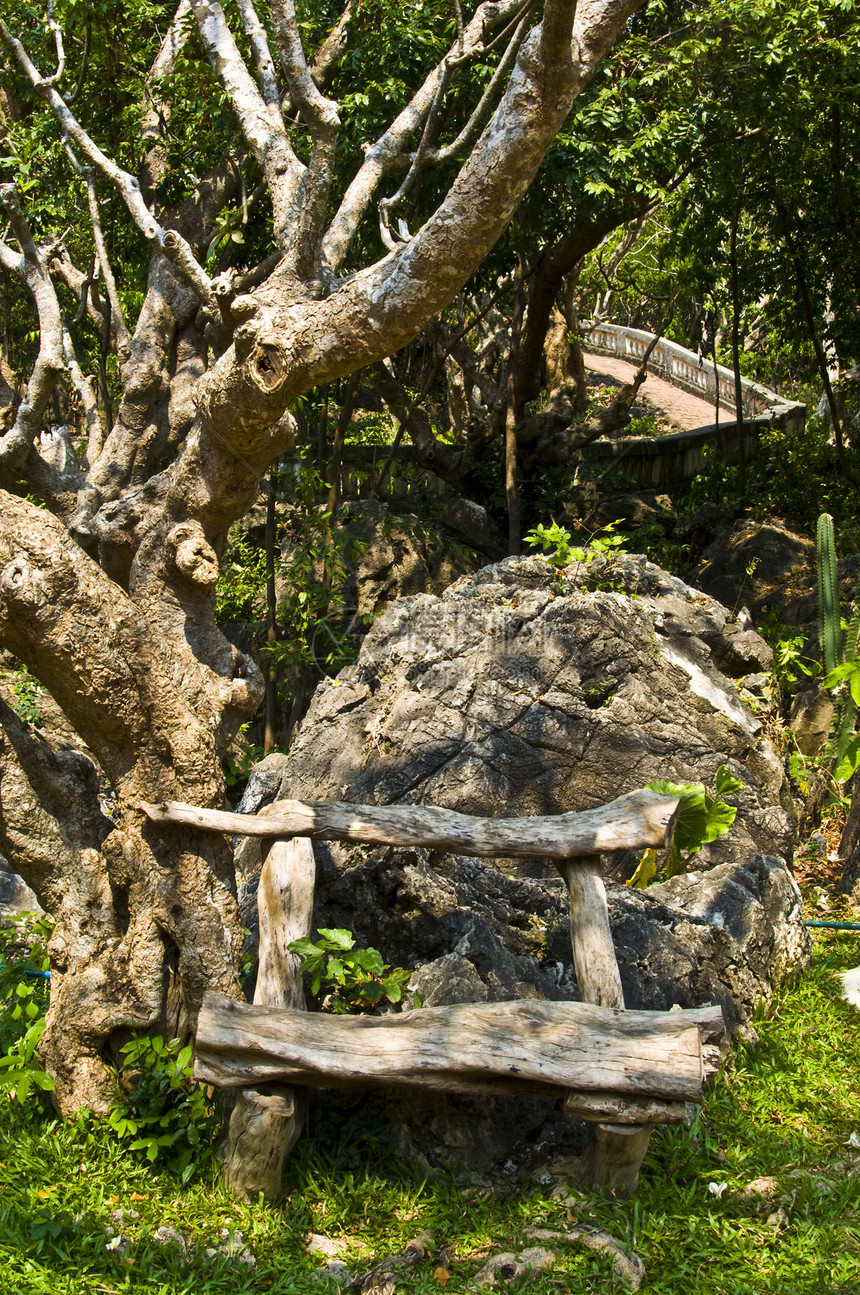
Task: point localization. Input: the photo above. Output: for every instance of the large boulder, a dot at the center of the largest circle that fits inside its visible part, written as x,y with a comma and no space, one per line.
523,691
757,565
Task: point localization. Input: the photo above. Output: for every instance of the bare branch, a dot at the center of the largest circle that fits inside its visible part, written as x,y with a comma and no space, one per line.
82,285
261,123
319,113
387,205
259,42
472,129
15,445
155,117
386,154
61,53
84,388
321,117
122,333
332,50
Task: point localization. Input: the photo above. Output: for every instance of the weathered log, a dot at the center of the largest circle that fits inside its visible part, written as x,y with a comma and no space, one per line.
265,1123
591,938
521,1046
635,821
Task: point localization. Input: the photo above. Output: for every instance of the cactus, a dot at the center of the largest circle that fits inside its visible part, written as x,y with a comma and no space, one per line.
836,653
829,631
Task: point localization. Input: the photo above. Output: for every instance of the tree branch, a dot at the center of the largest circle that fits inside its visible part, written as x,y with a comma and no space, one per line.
155,118
321,117
87,396
256,33
332,50
471,130
261,123
388,150
122,334
15,445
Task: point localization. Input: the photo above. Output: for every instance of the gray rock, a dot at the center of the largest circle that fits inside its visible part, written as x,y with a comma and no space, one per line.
810,718
772,552
470,522
451,979
637,509
522,691
15,895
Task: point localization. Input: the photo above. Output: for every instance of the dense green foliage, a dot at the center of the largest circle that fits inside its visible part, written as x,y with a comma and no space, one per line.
163,1112
24,977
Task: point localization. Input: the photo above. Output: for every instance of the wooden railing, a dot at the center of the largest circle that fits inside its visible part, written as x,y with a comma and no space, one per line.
624,1072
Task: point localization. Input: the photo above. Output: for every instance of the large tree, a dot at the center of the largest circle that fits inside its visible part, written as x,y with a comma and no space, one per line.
109,557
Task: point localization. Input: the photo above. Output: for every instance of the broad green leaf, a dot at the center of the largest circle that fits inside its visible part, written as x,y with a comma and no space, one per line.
337,938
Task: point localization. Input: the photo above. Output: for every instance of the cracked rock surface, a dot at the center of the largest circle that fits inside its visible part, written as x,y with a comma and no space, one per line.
522,691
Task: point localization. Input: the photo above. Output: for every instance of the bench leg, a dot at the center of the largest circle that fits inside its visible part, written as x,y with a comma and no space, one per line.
614,1152
263,1129
613,1157
267,1122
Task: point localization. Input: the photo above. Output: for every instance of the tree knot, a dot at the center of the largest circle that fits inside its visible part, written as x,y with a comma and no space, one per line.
193,554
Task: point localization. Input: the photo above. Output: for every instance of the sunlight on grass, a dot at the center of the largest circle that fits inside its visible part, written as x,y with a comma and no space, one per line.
781,1113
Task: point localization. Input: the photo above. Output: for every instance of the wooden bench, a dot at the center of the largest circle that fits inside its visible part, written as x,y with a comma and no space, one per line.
622,1071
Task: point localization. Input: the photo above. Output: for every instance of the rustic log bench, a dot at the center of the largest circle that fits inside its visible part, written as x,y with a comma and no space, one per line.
622,1071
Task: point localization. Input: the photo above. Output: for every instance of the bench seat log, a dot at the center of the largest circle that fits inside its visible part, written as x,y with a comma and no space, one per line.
636,821
517,1046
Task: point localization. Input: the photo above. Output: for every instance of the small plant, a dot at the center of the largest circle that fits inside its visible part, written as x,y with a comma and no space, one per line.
26,692
351,979
237,772
701,819
23,1003
165,1113
556,544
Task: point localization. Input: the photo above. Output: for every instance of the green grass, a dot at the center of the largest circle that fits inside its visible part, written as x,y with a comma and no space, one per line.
783,1110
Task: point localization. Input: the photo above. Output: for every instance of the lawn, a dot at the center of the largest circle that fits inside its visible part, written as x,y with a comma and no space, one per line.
779,1116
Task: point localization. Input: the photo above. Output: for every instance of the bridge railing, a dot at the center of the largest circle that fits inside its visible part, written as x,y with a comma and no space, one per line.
691,372
663,462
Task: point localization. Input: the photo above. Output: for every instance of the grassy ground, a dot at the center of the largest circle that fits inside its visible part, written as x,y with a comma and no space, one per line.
782,1112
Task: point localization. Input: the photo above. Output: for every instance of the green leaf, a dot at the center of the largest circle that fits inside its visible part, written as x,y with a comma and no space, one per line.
847,765
726,782
337,938
370,960
304,948
718,819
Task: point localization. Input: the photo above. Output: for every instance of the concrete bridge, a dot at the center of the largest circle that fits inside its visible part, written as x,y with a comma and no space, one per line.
664,462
